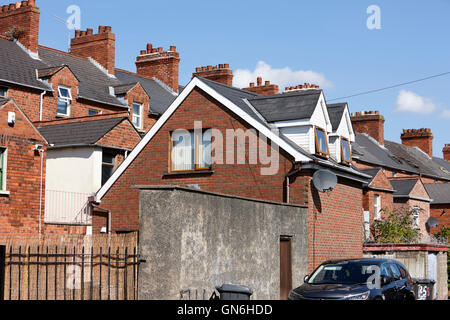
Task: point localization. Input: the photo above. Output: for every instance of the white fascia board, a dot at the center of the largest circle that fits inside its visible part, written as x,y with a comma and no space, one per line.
292,123
299,157
323,105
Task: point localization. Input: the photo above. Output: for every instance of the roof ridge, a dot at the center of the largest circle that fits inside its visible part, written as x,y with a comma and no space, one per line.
289,94
229,87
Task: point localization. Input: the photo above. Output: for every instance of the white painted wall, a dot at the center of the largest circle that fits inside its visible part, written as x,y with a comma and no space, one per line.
74,169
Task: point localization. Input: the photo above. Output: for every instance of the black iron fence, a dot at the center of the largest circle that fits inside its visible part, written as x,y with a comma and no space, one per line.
71,273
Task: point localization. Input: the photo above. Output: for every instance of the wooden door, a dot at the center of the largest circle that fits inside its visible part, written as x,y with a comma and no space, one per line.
285,267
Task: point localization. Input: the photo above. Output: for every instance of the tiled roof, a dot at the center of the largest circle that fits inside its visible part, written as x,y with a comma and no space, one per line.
287,106
161,97
18,67
439,192
79,133
335,111
403,187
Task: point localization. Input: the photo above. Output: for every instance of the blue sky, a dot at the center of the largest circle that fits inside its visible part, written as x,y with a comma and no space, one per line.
330,39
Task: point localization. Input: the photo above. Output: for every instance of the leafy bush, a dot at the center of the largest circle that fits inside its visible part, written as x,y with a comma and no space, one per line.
443,235
396,227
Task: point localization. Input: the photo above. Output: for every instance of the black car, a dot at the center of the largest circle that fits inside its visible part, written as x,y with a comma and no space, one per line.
363,279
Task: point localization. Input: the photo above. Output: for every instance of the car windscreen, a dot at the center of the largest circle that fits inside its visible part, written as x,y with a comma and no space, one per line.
342,273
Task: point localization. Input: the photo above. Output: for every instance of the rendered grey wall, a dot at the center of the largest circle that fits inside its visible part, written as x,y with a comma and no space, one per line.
194,240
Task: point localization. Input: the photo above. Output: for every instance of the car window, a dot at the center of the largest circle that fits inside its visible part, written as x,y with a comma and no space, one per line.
403,271
395,271
384,271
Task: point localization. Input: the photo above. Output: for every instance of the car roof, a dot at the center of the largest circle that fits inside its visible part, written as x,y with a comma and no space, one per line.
364,260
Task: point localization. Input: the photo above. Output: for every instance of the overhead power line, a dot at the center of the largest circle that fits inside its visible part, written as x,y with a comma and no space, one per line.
391,87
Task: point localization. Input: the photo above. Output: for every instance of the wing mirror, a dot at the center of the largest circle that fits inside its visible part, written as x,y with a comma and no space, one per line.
305,279
385,280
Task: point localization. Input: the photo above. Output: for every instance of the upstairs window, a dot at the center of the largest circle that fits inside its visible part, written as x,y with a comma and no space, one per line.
346,153
137,115
416,211
190,151
108,166
2,169
64,101
3,92
321,142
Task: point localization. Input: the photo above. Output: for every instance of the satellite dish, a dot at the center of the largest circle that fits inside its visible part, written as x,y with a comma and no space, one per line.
324,180
432,222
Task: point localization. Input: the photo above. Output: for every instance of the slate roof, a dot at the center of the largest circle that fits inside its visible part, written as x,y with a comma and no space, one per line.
443,163
439,192
16,66
79,133
287,106
335,112
161,96
403,187
418,159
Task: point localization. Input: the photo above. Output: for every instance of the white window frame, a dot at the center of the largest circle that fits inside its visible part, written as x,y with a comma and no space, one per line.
67,100
137,117
377,207
416,216
97,112
198,152
4,165
6,92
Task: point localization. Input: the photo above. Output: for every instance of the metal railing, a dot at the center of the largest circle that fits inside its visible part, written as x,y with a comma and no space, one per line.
62,207
71,273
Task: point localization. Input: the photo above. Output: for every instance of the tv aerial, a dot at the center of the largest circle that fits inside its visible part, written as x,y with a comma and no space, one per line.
324,180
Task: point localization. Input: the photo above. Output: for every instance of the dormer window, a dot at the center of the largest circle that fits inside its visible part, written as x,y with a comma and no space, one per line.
346,153
3,92
64,101
321,142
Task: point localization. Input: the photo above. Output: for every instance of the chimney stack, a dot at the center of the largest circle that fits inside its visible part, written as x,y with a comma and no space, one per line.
302,87
159,64
20,21
220,73
421,138
369,122
267,89
446,152
101,46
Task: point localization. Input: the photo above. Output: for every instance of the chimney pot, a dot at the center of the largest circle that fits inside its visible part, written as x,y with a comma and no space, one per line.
77,33
267,83
252,84
12,7
198,69
226,66
173,48
24,3
108,29
149,48
160,49
31,3
259,81
220,66
143,52
100,29
89,31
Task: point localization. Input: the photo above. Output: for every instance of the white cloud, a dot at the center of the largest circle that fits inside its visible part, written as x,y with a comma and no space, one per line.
445,114
409,101
284,77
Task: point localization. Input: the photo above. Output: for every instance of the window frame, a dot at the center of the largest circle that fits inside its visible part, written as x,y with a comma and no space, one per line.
141,109
3,168
318,151
67,100
376,208
196,150
6,92
112,165
416,217
97,112
343,160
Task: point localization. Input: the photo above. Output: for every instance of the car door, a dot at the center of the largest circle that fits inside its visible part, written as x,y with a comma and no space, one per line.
389,289
401,281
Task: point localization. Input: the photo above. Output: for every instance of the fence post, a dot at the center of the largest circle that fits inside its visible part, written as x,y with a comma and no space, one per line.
2,272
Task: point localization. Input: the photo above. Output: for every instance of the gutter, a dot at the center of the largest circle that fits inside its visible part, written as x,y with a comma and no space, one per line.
26,85
40,104
413,198
316,165
298,168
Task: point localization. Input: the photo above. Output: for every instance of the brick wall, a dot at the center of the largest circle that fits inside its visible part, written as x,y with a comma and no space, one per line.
266,89
24,15
437,211
138,94
220,73
369,122
336,217
421,138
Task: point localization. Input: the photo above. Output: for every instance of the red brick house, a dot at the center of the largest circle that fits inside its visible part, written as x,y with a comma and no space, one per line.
412,160
335,218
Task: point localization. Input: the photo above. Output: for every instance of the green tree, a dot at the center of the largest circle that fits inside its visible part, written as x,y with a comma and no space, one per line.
396,227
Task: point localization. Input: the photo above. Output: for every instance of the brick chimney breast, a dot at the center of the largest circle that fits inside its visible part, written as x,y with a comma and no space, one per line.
369,122
266,89
220,73
446,152
20,20
101,46
160,64
421,138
